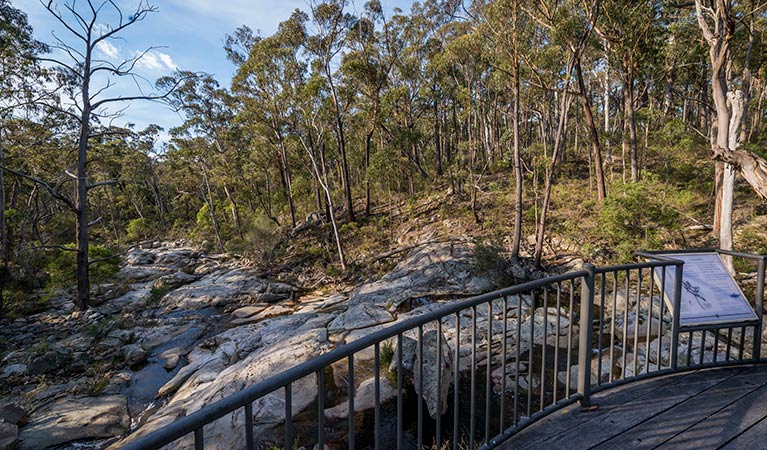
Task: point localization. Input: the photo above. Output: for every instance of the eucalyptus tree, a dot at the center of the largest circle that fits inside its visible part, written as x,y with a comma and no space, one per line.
366,67
465,54
633,35
209,112
567,27
420,82
506,25
311,130
333,25
266,84
18,90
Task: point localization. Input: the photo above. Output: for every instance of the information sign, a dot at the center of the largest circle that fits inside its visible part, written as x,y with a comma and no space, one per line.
709,293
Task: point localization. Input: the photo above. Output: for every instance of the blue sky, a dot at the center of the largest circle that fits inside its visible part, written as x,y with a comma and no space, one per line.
188,34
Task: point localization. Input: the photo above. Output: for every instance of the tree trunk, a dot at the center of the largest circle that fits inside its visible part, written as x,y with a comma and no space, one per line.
3,230
437,140
341,148
368,145
82,271
607,90
561,133
211,210
630,119
518,180
596,149
235,211
285,168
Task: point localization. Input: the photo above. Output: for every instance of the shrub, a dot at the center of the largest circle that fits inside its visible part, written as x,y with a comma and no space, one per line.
63,265
138,230
639,215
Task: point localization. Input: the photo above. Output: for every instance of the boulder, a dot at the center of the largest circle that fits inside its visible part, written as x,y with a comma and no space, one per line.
637,330
364,398
409,349
74,419
49,361
248,311
9,432
214,381
212,355
140,257
171,357
173,281
134,355
435,270
224,287
266,313
13,414
360,316
436,401
13,369
551,319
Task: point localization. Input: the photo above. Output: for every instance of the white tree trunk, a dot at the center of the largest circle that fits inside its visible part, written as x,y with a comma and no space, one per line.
735,103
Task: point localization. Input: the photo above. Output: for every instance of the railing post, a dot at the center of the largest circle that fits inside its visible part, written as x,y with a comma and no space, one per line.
759,306
676,313
584,344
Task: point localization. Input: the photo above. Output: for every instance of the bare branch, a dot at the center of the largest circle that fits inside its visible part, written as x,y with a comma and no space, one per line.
117,255
141,12
56,61
49,6
102,183
80,19
140,97
54,193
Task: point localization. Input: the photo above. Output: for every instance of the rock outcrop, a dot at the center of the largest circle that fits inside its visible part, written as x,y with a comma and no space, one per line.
73,419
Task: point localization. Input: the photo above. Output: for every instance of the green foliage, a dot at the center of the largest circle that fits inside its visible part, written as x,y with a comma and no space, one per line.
139,229
100,328
640,215
204,224
490,262
156,294
42,347
62,265
751,240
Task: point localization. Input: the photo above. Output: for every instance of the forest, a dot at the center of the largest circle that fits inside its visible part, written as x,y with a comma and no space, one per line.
612,124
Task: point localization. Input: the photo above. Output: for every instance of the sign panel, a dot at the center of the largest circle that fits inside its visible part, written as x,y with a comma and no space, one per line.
709,293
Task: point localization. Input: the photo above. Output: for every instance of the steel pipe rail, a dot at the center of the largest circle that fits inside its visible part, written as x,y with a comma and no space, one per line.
616,341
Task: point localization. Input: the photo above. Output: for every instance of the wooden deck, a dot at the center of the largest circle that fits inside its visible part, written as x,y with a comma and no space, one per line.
721,408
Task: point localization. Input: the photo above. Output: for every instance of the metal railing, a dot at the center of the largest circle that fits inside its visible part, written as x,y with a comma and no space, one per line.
471,373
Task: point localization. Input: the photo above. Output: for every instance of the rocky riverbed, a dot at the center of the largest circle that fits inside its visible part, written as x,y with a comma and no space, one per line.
179,329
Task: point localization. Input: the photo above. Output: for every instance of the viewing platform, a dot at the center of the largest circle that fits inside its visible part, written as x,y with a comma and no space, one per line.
723,408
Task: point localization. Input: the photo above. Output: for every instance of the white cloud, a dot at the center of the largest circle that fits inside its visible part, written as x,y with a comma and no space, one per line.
167,60
108,49
154,60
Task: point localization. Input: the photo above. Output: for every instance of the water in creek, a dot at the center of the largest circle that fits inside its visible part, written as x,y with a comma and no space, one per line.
146,380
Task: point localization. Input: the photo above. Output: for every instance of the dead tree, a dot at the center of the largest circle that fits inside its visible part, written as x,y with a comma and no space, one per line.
75,60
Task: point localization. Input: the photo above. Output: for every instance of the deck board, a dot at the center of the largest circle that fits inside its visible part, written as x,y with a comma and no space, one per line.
572,416
705,409
724,426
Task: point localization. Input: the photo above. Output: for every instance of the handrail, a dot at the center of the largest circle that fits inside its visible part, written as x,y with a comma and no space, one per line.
188,424
631,275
